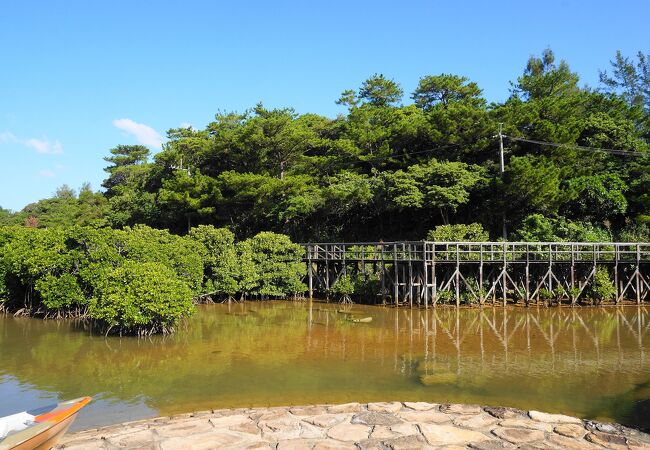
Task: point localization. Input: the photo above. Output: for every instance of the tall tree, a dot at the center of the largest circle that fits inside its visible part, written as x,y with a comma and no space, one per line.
629,78
445,89
543,77
532,185
376,91
127,186
192,196
128,164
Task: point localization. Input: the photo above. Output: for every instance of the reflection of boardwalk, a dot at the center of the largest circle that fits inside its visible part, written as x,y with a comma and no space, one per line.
565,335
530,341
426,273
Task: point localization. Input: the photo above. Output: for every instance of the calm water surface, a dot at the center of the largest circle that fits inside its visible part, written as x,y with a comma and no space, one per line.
592,363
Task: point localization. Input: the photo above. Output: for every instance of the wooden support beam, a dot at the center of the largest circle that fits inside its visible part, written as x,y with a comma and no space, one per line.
638,274
383,275
396,278
457,275
425,274
410,285
527,275
310,268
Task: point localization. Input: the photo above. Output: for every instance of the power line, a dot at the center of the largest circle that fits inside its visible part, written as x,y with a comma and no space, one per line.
358,160
381,158
579,147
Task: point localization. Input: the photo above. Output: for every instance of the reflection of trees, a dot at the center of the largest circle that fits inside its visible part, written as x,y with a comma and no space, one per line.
152,367
556,359
220,342
632,406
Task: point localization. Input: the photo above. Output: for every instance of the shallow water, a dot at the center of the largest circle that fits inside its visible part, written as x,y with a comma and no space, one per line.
588,362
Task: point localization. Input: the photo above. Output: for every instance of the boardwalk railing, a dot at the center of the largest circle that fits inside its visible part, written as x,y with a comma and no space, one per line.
424,273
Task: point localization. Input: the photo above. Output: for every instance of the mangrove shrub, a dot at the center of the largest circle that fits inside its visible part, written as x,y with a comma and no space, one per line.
135,280
139,280
271,266
220,262
141,298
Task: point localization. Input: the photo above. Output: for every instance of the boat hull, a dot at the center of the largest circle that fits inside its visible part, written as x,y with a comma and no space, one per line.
48,427
48,438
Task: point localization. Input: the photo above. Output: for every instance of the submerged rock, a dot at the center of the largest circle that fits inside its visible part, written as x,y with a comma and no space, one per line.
439,378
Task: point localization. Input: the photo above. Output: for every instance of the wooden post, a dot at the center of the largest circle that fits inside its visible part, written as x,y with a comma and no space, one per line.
480,275
504,277
573,274
310,272
595,262
402,257
410,276
425,275
457,276
396,280
527,287
327,269
383,276
434,279
638,274
550,267
616,282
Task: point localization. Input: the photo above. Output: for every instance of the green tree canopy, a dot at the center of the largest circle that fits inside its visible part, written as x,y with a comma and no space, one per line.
461,232
629,78
383,169
446,89
380,91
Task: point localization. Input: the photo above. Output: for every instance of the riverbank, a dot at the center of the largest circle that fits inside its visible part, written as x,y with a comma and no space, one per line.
395,425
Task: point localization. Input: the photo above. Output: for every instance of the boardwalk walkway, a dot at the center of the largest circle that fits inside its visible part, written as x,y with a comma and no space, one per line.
422,273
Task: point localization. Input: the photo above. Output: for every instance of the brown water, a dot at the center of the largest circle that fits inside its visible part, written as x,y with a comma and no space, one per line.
586,362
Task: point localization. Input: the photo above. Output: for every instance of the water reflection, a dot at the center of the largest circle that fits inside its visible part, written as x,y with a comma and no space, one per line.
589,362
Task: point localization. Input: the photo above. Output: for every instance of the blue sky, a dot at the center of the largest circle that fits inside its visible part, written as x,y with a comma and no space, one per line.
79,77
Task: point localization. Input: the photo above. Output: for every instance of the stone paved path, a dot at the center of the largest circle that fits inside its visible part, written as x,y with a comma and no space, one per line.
380,426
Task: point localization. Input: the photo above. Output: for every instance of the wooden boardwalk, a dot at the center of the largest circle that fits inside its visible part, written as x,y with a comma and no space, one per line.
422,273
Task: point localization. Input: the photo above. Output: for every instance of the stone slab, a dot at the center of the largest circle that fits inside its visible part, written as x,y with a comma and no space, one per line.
391,407
373,426
553,418
448,434
349,432
518,435
375,418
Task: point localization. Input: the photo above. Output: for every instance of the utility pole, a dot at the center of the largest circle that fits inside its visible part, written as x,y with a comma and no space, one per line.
503,165
503,169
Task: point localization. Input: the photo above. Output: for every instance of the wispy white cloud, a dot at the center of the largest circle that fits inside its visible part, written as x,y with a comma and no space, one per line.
44,146
144,134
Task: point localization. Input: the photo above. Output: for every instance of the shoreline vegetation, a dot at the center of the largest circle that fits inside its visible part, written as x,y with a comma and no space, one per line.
216,212
141,281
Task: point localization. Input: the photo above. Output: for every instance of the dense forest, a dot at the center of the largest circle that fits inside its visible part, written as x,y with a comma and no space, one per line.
576,165
213,215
